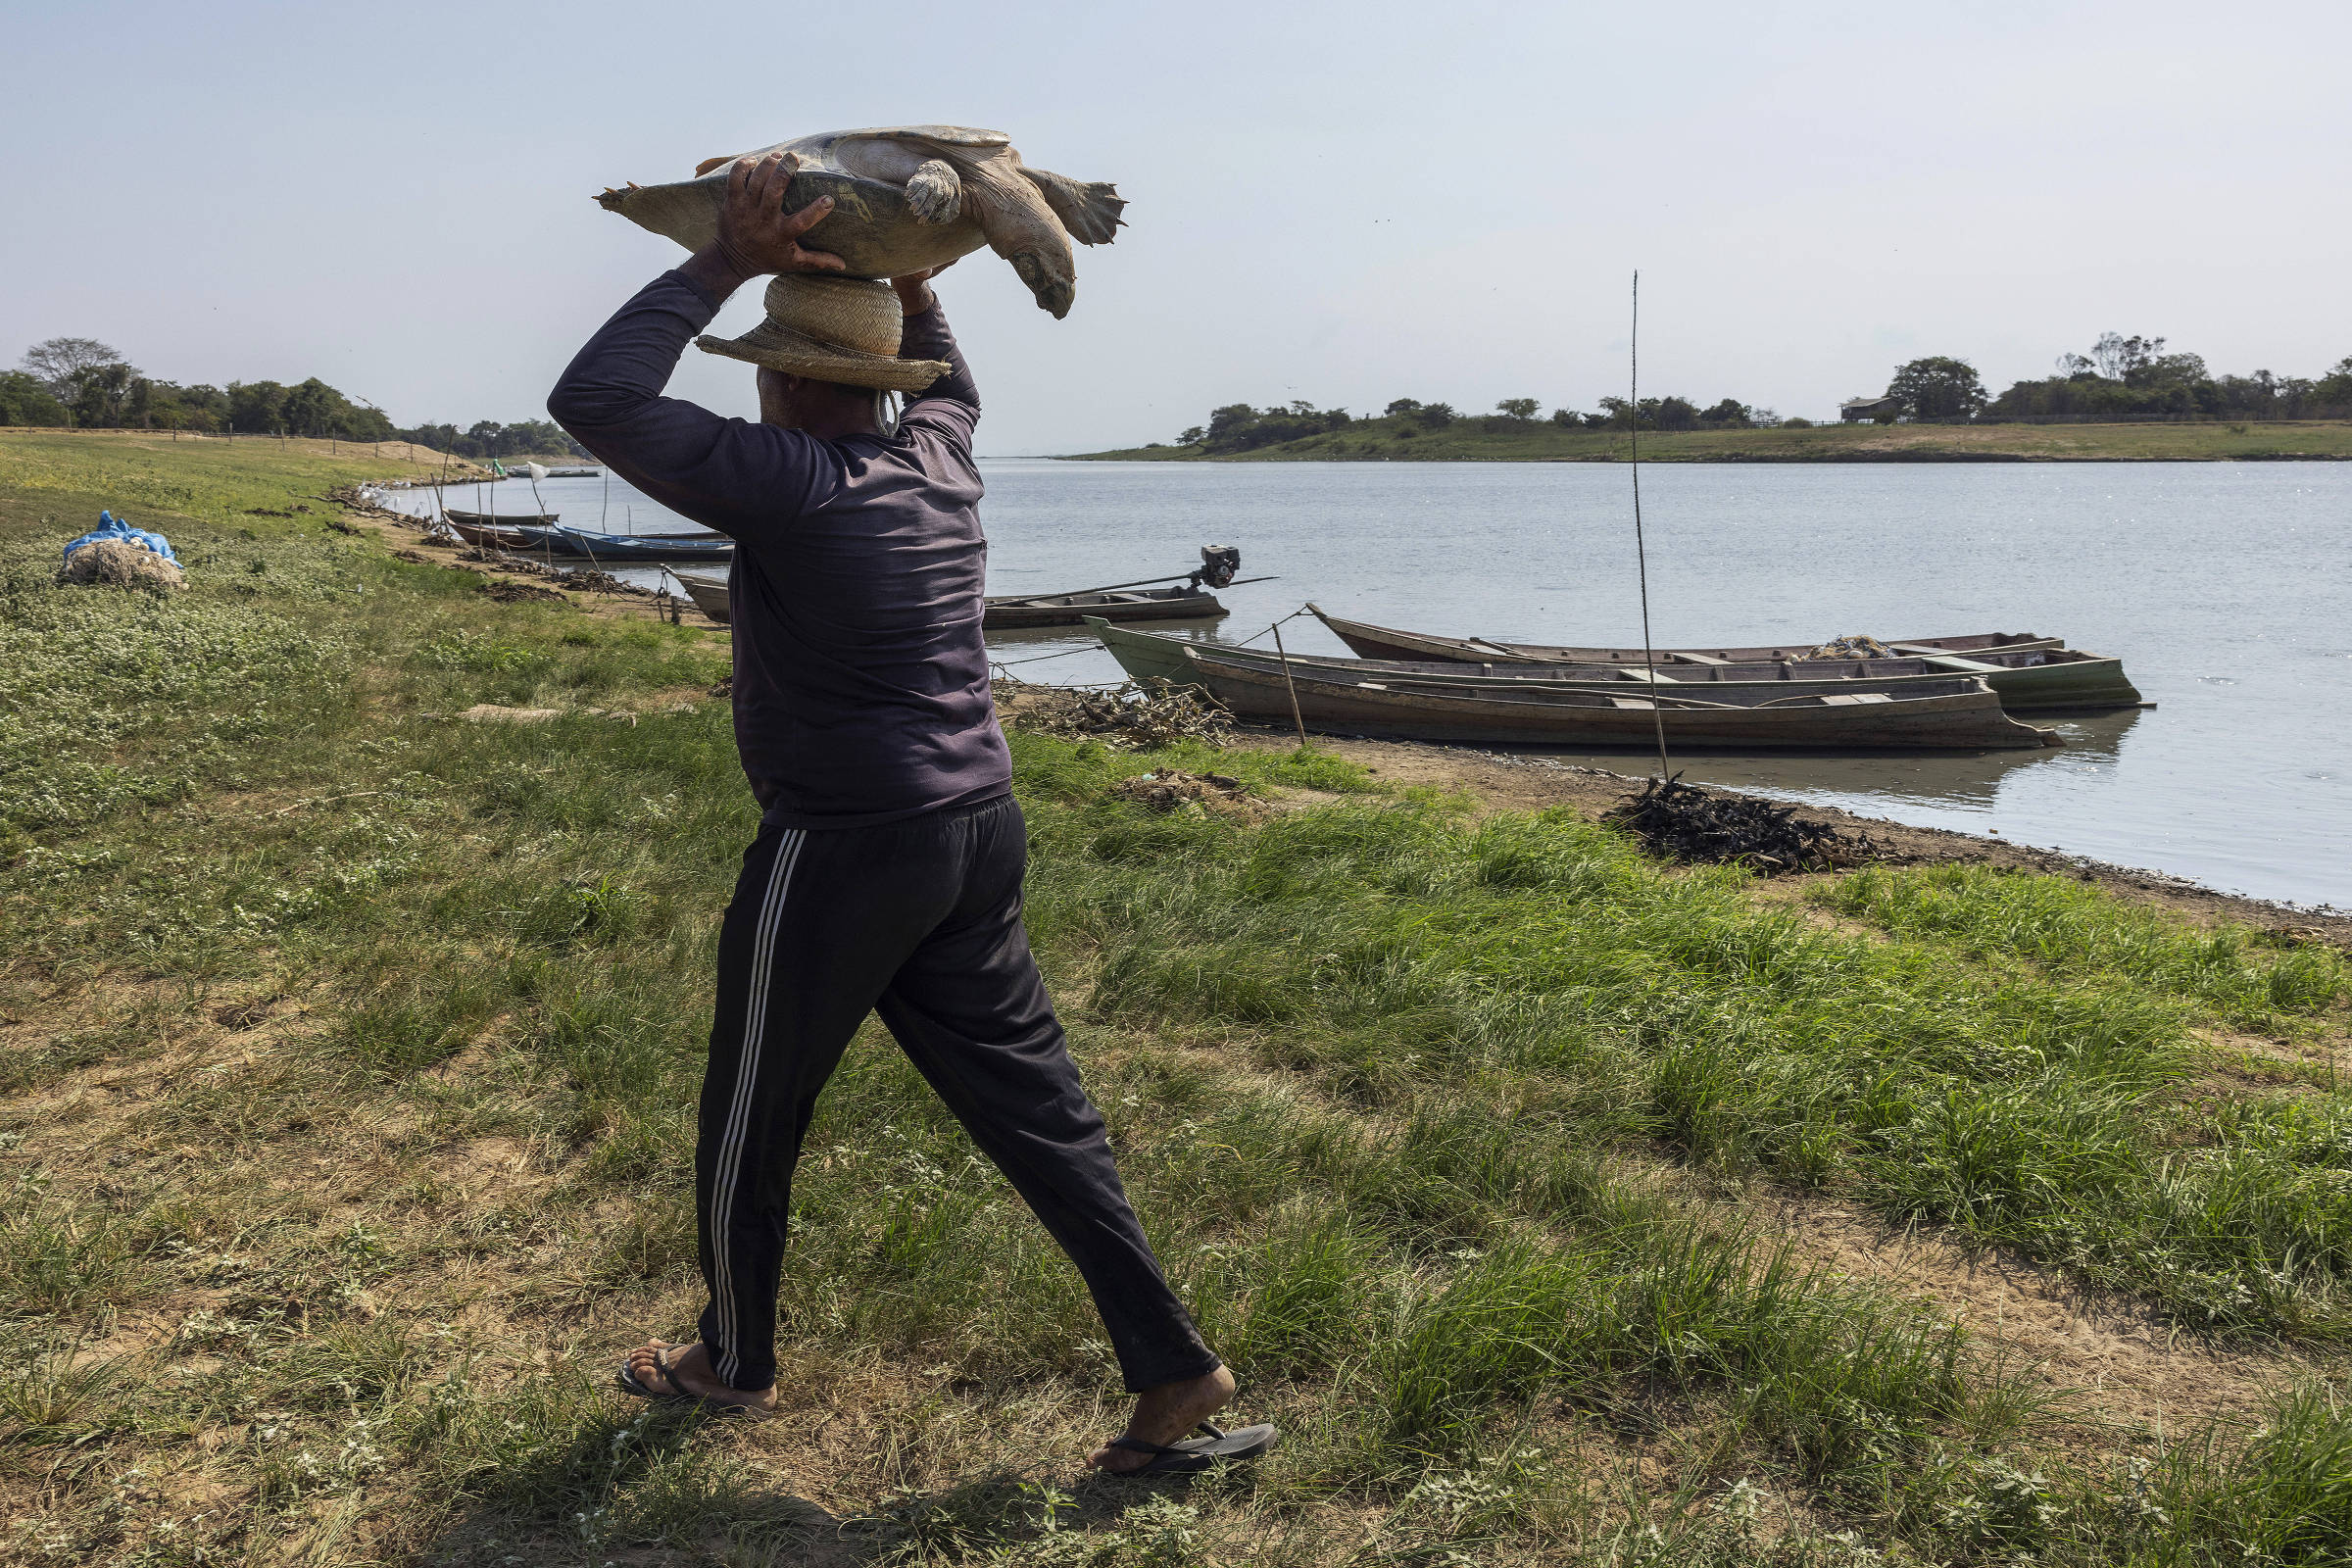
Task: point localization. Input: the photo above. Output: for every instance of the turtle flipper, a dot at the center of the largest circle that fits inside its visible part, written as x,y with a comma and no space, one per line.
934,193
1089,209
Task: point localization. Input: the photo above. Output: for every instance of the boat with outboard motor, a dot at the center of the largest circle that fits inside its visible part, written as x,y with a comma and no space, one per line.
1187,600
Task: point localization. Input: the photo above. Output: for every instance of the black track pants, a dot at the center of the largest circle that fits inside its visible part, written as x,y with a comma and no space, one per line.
921,921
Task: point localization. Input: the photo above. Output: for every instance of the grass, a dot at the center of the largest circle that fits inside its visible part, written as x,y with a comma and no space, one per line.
1497,440
351,1050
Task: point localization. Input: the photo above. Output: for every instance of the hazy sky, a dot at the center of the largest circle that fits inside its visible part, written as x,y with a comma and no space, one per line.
1344,203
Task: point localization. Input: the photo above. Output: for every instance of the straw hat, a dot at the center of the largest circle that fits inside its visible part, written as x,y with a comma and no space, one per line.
832,329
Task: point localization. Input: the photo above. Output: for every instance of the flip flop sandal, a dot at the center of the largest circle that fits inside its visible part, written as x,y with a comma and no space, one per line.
1196,1454
676,1394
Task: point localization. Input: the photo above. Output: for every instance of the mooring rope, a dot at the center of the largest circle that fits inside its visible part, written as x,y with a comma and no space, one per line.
1633,421
1007,663
1286,620
1093,647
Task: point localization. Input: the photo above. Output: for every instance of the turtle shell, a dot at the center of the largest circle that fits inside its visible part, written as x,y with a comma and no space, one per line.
872,228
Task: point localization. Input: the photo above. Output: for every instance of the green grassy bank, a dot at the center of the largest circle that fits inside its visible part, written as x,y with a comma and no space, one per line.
1497,440
349,1051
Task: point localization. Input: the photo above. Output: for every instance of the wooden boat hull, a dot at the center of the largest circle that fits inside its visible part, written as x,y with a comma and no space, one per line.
516,536
1006,613
1387,642
710,595
618,548
601,549
461,521
2031,681
1965,717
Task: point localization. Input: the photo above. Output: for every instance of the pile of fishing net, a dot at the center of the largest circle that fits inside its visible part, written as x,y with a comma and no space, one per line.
1141,716
1172,789
1857,646
115,555
1684,823
515,593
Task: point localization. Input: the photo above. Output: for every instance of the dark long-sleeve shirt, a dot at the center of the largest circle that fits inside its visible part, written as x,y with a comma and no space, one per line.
861,677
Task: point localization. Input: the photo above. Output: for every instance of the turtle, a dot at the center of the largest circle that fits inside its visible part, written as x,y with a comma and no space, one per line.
907,198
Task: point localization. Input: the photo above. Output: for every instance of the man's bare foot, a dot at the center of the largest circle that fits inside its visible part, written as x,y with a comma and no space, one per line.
1164,1414
693,1376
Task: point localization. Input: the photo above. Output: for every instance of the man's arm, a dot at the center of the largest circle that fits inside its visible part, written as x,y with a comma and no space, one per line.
725,472
923,335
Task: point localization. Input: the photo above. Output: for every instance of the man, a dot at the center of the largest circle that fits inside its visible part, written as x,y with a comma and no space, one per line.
887,872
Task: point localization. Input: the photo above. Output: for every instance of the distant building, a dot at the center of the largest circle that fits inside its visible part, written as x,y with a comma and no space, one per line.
1855,410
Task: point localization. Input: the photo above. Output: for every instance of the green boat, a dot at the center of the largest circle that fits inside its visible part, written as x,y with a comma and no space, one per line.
1949,713
2039,679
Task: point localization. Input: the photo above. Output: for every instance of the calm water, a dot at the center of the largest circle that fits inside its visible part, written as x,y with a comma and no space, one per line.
2222,588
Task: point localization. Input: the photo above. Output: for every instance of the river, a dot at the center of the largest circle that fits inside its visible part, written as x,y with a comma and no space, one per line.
2222,586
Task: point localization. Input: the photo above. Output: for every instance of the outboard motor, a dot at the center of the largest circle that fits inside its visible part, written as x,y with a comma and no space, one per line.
1219,565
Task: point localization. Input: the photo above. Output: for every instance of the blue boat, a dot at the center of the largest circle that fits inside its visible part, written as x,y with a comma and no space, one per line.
550,539
627,547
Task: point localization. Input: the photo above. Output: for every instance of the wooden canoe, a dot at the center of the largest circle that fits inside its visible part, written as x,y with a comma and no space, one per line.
709,593
1964,714
620,548
492,520
1179,603
499,533
1386,642
2038,680
578,544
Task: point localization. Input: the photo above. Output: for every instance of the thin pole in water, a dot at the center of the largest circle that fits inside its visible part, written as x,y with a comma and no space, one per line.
1633,420
603,515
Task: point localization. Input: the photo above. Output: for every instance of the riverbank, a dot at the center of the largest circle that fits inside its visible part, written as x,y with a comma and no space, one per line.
217,476
1499,781
1562,1204
1497,440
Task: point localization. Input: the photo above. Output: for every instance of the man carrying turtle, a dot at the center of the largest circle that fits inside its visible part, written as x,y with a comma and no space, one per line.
886,877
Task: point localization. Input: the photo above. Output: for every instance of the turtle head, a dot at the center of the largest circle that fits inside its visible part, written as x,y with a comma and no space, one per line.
1053,285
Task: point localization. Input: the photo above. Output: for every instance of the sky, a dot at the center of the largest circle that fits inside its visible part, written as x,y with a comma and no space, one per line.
1346,204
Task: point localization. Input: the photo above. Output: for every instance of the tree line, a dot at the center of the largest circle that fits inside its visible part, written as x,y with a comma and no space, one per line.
83,383
1239,427
2120,379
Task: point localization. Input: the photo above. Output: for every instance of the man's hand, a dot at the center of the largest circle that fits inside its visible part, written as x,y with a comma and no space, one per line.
756,235
914,290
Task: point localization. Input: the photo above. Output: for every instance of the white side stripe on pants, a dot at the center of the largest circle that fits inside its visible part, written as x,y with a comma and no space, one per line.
739,1110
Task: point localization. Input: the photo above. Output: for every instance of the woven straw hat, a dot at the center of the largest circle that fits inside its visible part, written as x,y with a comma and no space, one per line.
833,330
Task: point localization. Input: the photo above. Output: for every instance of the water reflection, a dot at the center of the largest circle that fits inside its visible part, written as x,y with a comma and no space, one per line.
1883,780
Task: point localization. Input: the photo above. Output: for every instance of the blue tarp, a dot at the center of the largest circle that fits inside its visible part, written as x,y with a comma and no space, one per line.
110,526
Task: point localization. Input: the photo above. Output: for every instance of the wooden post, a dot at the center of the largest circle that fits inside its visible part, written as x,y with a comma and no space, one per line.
1291,685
